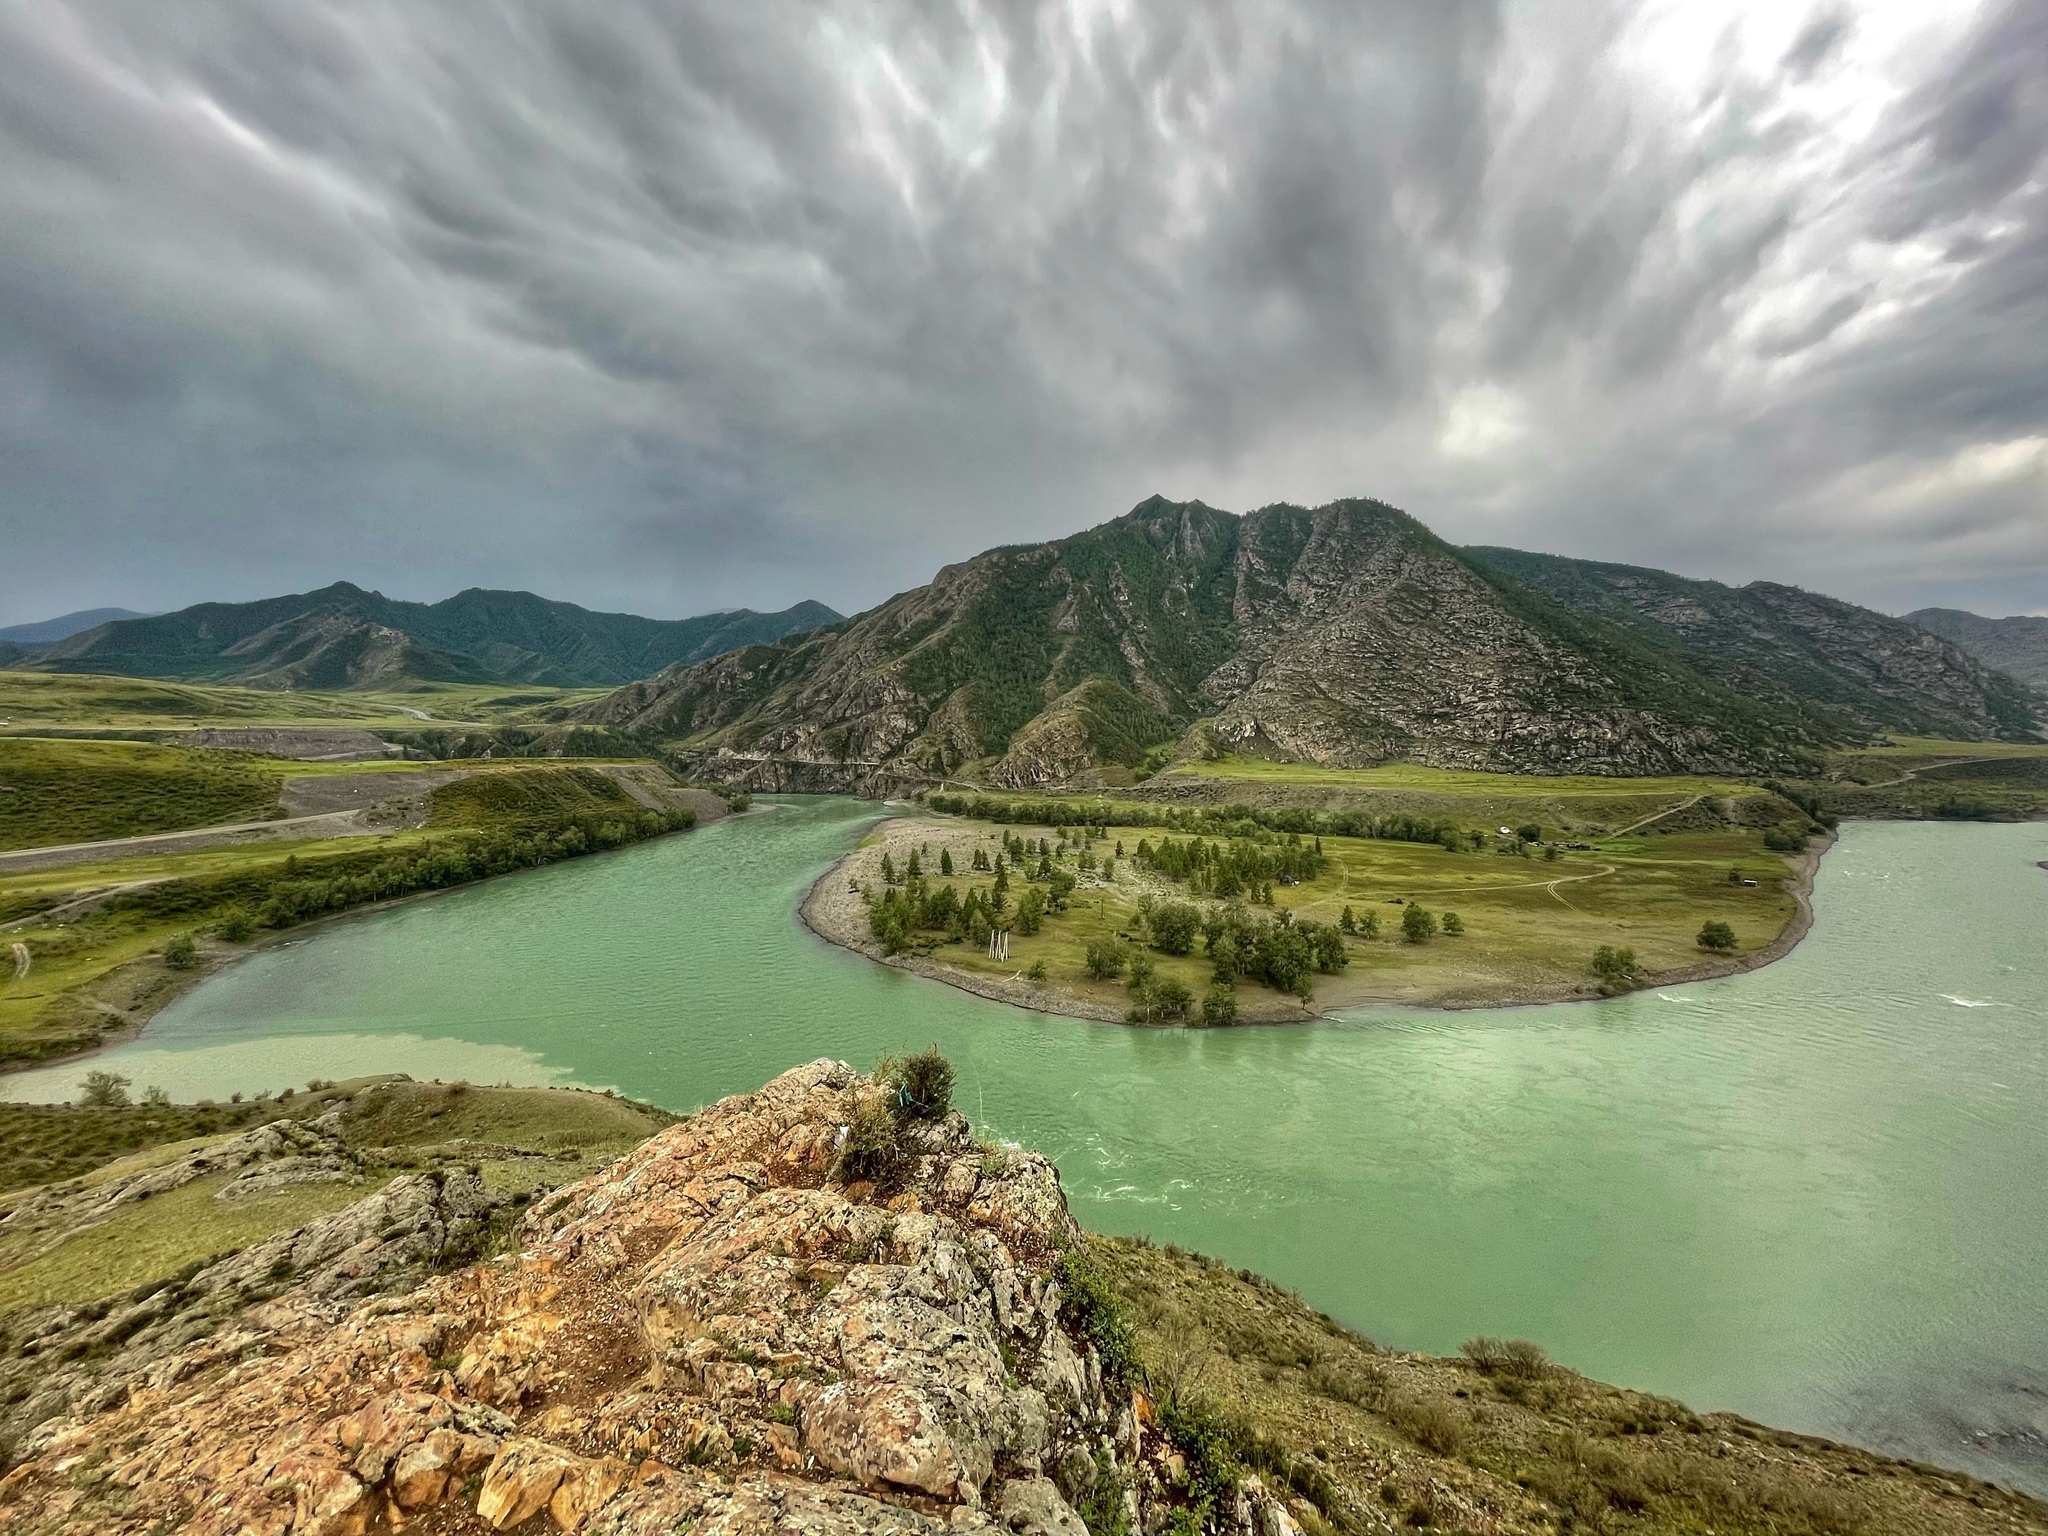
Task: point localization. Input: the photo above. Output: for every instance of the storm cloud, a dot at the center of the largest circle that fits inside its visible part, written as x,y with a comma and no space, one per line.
672,306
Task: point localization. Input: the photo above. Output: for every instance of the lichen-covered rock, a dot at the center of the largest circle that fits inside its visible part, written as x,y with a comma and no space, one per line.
1032,1506
714,1329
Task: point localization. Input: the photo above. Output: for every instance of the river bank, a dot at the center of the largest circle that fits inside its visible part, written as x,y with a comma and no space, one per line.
125,998
835,910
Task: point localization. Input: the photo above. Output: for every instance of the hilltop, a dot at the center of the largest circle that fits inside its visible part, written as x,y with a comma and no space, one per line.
343,637
1347,635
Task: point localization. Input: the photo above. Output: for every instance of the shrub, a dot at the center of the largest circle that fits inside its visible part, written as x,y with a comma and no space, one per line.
180,953
1036,975
103,1090
1529,832
1428,1423
1717,936
1361,1384
1219,1006
1210,1445
1160,1002
1616,968
1101,1505
1090,1305
1105,958
873,1147
1506,1357
236,925
923,1084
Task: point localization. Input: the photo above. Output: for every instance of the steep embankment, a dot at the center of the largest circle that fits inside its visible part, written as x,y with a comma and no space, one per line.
1345,636
803,1310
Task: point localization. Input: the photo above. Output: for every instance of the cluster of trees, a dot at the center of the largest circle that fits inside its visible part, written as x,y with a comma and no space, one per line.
1234,868
1279,951
454,861
1235,821
278,896
911,903
1418,925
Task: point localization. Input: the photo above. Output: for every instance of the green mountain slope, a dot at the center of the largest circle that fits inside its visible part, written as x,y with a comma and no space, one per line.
2018,645
344,637
1346,635
1856,672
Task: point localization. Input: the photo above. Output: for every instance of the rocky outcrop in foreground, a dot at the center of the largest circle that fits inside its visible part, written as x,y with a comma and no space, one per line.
719,1332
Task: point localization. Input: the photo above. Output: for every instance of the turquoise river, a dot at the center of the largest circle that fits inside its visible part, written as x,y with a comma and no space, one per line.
1817,1194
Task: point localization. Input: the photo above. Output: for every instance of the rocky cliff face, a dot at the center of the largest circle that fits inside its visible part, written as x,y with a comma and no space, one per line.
2017,646
716,1333
1347,635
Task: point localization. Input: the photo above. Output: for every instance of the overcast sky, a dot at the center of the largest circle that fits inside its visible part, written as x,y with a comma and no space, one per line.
672,306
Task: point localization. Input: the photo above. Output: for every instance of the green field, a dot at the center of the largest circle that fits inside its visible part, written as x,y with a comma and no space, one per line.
82,791
1532,922
87,701
1390,777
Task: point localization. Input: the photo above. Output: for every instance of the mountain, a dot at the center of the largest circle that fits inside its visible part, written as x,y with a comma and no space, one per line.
344,637
63,627
1856,671
2018,645
1347,635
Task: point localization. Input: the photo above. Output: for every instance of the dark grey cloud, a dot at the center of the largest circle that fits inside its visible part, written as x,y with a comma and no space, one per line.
670,306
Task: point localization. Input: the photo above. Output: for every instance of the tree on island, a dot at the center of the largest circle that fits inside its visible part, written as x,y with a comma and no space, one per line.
1105,958
1219,1005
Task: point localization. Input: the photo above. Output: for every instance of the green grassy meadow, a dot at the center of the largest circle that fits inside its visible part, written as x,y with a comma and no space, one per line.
64,791
88,701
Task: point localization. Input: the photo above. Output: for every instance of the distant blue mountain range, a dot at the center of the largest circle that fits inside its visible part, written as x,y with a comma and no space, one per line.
50,631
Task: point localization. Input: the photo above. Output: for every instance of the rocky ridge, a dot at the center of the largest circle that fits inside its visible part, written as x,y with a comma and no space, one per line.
719,1331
